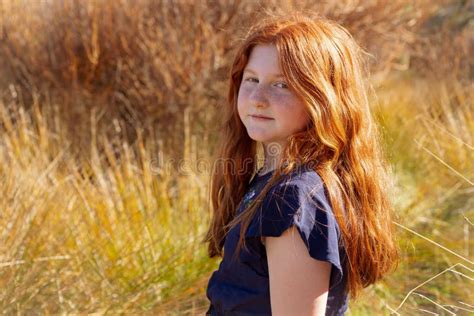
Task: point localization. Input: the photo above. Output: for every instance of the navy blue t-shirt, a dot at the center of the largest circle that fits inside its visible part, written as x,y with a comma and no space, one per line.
241,287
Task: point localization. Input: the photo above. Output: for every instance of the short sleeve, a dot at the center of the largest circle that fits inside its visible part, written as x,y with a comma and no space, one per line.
301,201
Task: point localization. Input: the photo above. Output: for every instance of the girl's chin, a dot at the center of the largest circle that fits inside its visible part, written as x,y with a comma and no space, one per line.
259,138
262,137
264,140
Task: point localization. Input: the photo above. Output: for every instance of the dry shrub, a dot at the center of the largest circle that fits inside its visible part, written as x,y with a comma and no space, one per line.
147,63
445,44
87,77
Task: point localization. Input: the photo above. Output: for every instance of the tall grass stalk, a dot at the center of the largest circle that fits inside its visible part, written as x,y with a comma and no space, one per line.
113,233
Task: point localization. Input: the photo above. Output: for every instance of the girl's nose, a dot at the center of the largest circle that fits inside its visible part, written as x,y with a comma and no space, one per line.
258,97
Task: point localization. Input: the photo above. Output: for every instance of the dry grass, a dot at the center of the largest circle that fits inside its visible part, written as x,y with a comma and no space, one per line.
429,132
146,62
101,101
86,235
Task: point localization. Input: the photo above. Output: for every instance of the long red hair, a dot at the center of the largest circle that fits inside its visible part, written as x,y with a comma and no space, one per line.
324,65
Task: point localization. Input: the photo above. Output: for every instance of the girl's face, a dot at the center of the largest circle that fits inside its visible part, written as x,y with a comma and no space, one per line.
267,107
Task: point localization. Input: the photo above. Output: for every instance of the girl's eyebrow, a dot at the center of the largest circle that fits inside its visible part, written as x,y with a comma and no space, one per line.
254,72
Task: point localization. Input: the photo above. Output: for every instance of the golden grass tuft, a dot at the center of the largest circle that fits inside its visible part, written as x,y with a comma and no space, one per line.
107,124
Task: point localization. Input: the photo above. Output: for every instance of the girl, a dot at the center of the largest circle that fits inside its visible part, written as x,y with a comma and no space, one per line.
313,225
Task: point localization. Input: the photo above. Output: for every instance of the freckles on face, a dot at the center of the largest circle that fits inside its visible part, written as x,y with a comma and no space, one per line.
268,108
287,112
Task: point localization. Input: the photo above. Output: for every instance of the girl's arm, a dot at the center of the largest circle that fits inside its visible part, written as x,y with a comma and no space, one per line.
298,283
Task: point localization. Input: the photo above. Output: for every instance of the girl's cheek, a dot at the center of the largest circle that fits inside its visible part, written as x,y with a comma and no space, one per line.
243,93
273,95
284,102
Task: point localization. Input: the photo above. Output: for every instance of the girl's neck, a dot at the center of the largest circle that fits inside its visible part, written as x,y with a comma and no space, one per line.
273,153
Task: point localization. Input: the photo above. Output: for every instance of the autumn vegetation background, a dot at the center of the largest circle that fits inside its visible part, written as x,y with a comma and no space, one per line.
109,115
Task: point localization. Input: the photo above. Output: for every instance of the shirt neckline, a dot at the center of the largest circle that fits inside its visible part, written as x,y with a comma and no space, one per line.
258,177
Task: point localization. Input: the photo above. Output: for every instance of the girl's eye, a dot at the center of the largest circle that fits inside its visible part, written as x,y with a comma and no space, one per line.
282,85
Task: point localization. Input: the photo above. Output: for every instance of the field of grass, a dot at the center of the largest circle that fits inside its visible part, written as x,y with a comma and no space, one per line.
104,161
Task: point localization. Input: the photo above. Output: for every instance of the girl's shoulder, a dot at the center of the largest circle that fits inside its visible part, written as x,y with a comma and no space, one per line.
300,199
300,194
302,188
302,175
304,179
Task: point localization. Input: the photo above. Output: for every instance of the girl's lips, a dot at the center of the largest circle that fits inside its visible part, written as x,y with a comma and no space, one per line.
261,118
